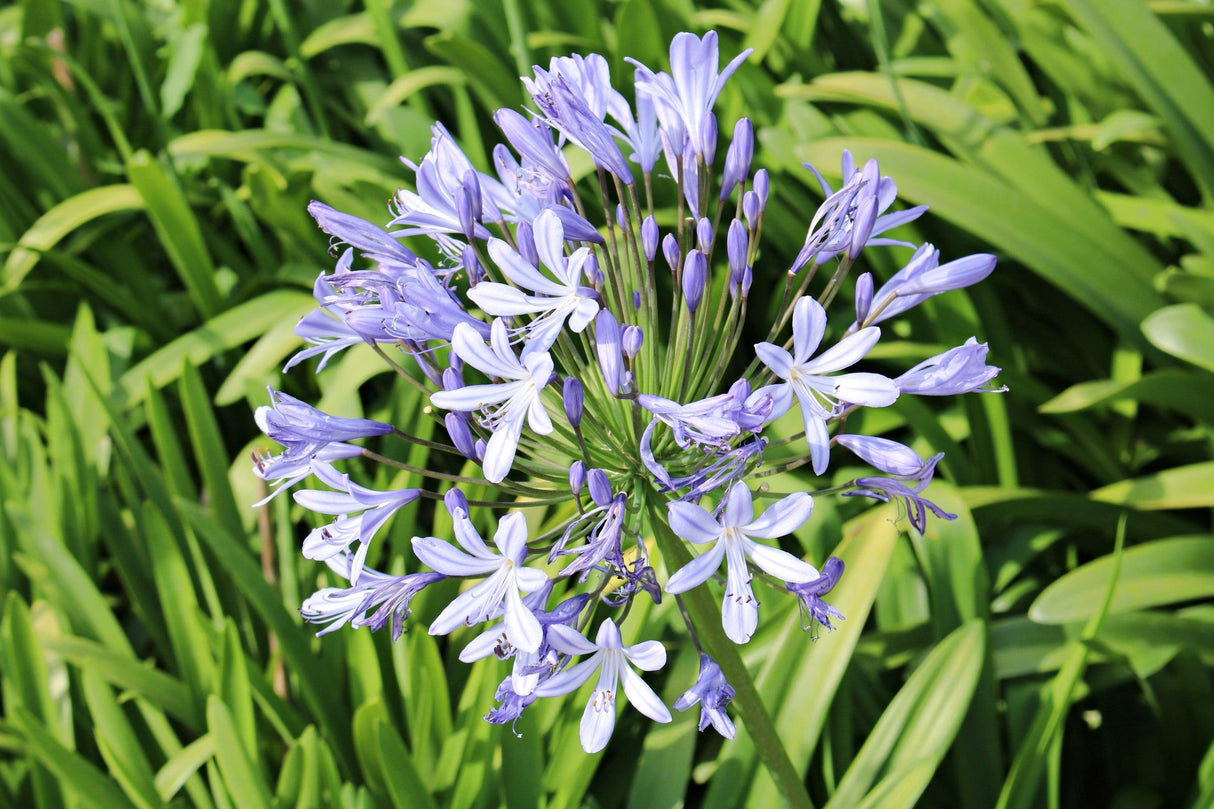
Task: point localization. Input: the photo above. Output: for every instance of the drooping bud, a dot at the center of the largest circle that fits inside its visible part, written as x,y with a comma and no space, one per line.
695,274
572,395
455,500
631,340
649,238
737,159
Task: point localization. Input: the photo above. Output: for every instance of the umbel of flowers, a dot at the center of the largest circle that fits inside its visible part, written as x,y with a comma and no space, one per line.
582,345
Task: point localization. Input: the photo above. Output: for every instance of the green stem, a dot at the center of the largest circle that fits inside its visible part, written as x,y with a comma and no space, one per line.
706,616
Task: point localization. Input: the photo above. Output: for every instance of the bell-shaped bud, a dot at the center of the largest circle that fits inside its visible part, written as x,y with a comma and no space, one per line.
751,208
577,476
704,235
737,247
864,296
461,435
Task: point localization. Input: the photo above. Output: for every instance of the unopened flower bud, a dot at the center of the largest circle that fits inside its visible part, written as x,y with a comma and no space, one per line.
600,486
751,208
737,245
577,476
572,395
452,379
737,159
472,265
524,239
455,500
631,340
708,138
862,226
695,274
704,235
670,250
864,296
762,187
649,238
461,435
620,216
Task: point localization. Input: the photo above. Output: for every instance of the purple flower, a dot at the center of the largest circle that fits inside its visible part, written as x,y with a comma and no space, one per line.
737,159
921,278
959,370
507,571
561,100
375,508
516,399
731,538
692,86
432,210
911,475
610,658
821,395
813,608
713,694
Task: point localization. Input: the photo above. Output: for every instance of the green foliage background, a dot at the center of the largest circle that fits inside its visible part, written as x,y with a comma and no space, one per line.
1051,647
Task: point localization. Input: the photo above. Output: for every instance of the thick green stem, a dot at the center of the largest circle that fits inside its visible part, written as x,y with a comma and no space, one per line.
706,616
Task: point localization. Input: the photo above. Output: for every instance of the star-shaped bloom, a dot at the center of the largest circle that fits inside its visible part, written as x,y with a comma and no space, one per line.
508,577
516,399
731,538
554,301
819,394
610,658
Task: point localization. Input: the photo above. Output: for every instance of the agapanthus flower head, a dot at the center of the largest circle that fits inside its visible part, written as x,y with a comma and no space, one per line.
581,346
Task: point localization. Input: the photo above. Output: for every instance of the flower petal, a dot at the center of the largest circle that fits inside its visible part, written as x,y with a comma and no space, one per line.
648,655
777,359
697,571
598,720
844,354
503,444
739,505
569,640
739,610
808,326
642,697
781,564
871,390
449,560
522,627
693,523
568,680
782,517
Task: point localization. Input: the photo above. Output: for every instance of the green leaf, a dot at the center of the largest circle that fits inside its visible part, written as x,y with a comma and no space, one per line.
1165,571
920,723
183,764
234,688
493,80
125,758
1184,330
244,782
353,29
185,53
205,437
61,220
178,230
406,86
1181,390
1180,487
224,332
74,772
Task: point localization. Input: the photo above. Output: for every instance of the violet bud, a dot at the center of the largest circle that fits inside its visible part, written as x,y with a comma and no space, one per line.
636,299
649,238
695,274
737,159
572,395
594,276
704,235
737,245
464,209
600,486
762,186
864,296
577,476
670,250
631,340
747,277
480,450
455,500
524,238
461,435
452,378
620,216
472,265
751,209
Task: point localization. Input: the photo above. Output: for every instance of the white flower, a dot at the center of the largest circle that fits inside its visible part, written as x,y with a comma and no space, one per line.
555,301
820,395
516,400
610,658
731,538
509,577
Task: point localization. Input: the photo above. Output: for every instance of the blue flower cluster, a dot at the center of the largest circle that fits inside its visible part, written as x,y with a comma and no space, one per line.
577,332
